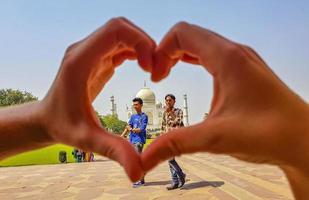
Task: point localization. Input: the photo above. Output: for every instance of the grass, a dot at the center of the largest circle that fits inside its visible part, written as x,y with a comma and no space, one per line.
148,142
47,155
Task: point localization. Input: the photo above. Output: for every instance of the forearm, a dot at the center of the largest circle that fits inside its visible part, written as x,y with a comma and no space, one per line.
20,129
298,171
124,133
299,182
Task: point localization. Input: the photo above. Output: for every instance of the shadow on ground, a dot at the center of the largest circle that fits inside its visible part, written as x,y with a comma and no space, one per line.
200,184
189,186
157,183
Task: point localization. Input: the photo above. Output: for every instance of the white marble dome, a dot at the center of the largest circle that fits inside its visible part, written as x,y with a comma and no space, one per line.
153,108
147,95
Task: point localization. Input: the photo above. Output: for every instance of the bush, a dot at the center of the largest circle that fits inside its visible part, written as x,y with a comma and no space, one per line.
9,97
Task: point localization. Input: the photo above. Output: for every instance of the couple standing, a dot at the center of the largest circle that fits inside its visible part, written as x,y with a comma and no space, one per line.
172,118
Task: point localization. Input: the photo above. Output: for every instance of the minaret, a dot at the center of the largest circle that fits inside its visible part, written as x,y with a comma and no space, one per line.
185,110
129,112
114,109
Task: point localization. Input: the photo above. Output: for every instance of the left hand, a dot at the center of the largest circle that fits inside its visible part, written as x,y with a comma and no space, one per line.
67,113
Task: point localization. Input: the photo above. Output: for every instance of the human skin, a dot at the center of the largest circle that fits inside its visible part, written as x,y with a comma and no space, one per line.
254,116
169,103
66,114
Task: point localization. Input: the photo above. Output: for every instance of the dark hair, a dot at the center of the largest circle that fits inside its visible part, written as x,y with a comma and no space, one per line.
139,100
170,95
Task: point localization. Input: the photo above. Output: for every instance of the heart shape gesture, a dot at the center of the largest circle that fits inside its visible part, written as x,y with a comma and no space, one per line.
254,116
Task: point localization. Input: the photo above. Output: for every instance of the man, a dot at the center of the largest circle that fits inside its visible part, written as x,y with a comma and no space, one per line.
172,119
77,154
137,127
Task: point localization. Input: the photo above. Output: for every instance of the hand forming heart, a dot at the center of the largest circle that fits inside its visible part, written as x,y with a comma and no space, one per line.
86,68
254,116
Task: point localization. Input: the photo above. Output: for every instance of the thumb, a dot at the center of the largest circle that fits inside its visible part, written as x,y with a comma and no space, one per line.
117,149
179,141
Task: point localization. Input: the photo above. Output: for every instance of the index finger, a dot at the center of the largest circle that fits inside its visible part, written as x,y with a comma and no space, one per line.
115,33
192,44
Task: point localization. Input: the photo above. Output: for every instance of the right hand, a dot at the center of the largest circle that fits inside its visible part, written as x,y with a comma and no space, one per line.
254,116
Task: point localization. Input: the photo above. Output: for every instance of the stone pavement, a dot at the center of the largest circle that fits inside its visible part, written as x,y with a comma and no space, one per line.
208,177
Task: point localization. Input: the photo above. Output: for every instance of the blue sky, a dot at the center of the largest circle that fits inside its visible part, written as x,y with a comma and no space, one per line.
34,35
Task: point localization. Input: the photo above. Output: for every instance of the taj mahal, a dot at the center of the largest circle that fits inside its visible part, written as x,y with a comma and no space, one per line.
153,108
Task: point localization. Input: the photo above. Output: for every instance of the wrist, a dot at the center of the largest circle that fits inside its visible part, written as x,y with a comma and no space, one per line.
38,122
21,129
298,180
301,132
297,169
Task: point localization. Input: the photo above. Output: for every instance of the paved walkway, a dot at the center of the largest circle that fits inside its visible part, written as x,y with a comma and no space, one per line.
208,177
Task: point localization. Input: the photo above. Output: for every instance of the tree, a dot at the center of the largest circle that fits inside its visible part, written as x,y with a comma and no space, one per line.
101,119
114,124
10,97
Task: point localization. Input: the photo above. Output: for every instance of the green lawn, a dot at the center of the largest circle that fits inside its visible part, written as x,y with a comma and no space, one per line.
148,141
47,155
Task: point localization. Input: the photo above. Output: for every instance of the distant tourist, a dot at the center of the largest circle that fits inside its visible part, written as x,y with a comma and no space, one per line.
88,157
78,155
